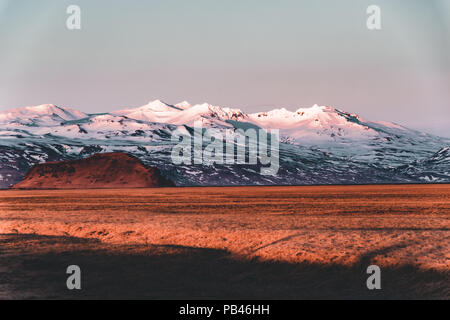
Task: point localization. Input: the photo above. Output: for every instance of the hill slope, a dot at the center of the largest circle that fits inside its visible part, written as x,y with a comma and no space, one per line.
100,171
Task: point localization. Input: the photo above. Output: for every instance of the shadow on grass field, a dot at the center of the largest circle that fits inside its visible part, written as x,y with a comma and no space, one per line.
34,267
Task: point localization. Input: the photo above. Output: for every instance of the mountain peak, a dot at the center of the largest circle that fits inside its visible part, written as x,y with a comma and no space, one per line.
183,105
154,111
157,105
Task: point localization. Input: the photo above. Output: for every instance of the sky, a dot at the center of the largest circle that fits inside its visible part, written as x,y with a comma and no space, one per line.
249,54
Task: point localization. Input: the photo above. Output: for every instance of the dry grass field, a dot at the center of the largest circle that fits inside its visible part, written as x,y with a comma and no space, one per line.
240,242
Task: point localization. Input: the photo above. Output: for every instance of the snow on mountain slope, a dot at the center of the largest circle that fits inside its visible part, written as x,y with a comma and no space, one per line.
307,125
46,114
304,126
183,105
181,113
154,111
85,128
322,145
106,126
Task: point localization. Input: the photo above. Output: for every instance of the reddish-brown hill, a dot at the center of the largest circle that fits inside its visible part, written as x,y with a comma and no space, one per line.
100,171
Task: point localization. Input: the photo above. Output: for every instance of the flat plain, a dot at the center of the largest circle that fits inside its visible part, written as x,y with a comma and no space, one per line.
231,242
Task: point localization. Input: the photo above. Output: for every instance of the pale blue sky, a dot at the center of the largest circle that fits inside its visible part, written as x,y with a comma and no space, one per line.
248,54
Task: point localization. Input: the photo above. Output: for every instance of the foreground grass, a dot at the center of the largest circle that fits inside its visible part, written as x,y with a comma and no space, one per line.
264,242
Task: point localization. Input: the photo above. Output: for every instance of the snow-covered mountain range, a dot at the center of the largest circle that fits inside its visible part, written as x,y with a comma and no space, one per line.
319,145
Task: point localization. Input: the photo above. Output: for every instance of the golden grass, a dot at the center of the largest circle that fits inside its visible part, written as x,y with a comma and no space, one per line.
389,225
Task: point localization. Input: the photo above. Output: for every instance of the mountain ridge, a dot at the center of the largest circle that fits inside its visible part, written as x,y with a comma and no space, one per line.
160,112
319,145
